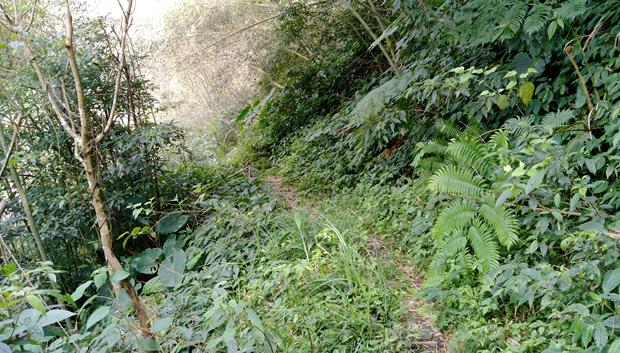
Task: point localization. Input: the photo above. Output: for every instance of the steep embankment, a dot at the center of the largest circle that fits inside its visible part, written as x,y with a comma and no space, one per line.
481,140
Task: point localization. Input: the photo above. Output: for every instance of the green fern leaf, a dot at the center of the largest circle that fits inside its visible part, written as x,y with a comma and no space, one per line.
536,19
553,121
503,222
498,141
447,128
458,214
571,10
436,272
519,125
470,152
454,243
512,21
484,245
453,180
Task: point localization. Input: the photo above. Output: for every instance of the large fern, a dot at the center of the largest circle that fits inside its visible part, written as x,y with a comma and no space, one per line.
479,213
458,181
554,120
512,20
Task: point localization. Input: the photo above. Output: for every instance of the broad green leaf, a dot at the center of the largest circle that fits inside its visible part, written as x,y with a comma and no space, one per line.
97,316
100,277
161,324
534,181
600,335
577,308
119,276
591,165
172,268
614,347
146,261
254,319
171,223
36,303
611,281
4,348
586,335
149,345
79,291
192,263
8,269
553,26
502,101
54,316
526,92
154,285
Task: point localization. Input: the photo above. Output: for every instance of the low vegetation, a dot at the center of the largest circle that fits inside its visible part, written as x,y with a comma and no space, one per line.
407,168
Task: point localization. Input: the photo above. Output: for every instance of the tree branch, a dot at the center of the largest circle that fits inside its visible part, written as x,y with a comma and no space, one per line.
7,155
119,73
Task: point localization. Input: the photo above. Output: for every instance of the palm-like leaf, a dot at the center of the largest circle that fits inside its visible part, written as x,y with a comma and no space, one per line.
503,222
484,245
469,151
453,180
457,215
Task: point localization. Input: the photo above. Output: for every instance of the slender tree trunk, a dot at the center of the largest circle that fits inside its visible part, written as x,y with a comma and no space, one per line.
24,200
375,38
105,236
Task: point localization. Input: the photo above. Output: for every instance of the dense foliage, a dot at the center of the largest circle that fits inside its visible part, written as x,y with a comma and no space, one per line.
475,141
492,159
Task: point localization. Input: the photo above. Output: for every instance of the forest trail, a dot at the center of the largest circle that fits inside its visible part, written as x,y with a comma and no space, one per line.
407,279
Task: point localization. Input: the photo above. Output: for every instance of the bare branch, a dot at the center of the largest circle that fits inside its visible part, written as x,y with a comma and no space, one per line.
226,37
9,152
2,207
50,97
121,63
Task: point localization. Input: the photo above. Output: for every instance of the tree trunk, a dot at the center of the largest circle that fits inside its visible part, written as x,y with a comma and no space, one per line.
24,200
105,236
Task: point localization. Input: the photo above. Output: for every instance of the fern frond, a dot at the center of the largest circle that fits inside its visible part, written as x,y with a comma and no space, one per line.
484,245
453,180
447,128
491,277
552,121
453,247
571,10
483,27
536,19
513,19
469,151
519,125
503,222
454,243
435,147
499,140
436,272
458,214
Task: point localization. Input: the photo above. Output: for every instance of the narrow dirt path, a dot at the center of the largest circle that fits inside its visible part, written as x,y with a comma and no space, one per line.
429,339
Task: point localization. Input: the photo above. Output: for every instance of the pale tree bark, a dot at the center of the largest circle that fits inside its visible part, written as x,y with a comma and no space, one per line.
85,143
21,192
391,60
